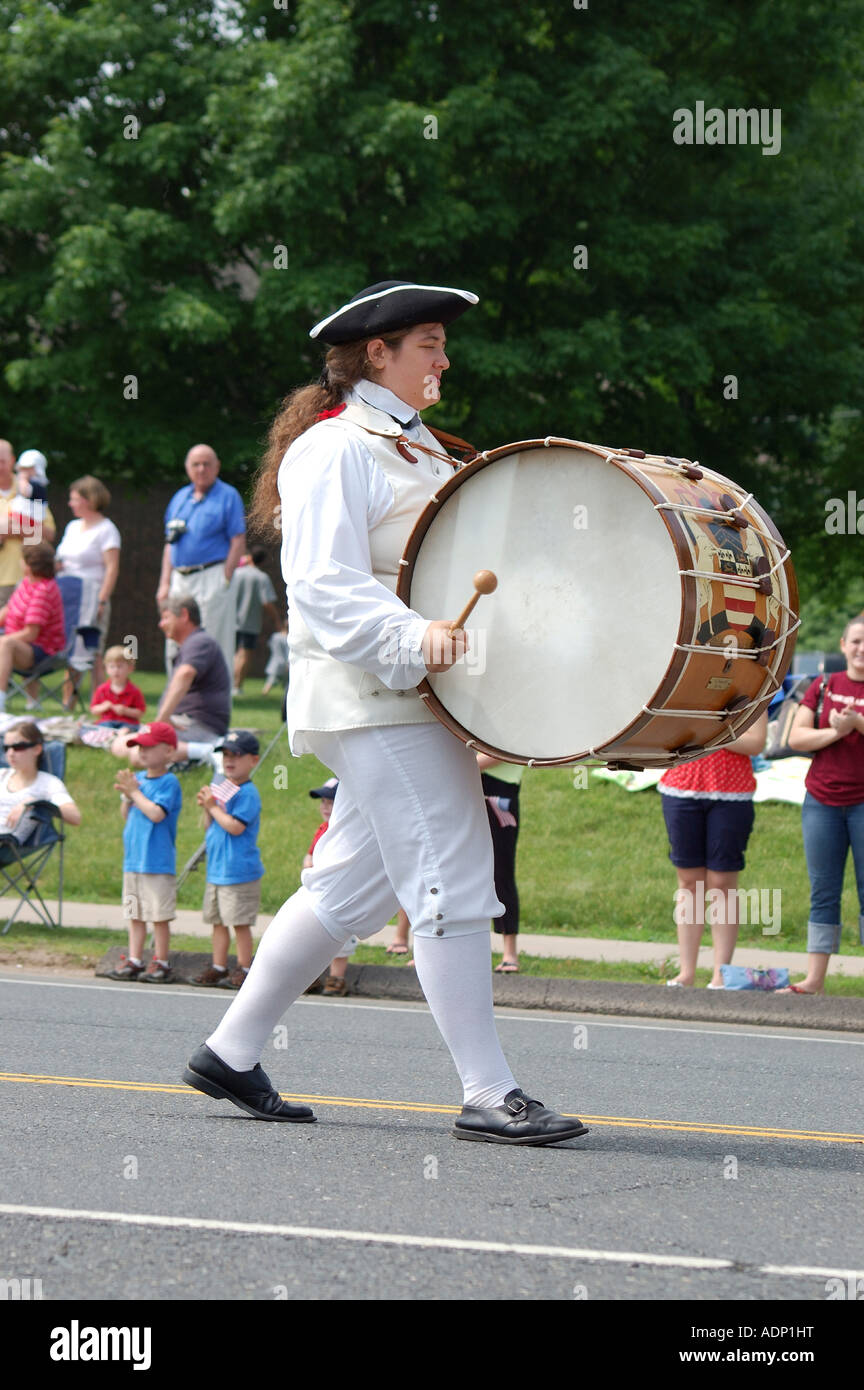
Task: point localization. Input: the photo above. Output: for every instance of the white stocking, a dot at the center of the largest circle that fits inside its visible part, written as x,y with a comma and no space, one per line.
455,974
292,953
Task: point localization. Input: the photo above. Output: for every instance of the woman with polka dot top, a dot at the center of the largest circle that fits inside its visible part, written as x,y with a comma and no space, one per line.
708,809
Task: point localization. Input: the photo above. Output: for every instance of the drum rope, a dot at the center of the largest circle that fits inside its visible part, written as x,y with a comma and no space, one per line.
718,714
752,583
751,654
710,511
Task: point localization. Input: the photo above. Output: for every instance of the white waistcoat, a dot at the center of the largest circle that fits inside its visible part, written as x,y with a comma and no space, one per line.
325,693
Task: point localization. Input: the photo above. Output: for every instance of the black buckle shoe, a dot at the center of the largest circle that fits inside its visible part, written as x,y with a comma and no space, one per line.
517,1120
250,1090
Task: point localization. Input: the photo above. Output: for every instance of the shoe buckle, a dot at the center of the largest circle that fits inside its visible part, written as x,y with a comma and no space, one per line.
517,1104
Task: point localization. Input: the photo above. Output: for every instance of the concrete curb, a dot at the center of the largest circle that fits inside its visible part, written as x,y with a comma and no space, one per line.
754,1007
600,948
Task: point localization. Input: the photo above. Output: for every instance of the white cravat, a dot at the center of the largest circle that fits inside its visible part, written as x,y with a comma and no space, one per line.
381,398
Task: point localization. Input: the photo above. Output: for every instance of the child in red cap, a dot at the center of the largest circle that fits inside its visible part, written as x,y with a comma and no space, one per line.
151,806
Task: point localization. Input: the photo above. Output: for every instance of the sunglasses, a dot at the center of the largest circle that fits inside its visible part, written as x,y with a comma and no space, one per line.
18,747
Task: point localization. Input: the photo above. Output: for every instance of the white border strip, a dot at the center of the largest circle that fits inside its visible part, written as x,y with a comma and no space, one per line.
488,1247
503,1014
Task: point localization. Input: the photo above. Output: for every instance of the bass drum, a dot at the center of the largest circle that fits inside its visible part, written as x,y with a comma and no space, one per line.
645,610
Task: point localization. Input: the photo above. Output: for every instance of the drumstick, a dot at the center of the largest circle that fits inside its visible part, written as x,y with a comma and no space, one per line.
485,582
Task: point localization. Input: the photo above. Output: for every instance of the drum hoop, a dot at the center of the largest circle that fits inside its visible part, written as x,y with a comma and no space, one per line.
689,591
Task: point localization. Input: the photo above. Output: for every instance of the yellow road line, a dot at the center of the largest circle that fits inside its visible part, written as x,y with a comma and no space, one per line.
423,1108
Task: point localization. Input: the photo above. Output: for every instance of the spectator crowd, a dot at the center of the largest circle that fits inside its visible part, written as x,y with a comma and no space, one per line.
213,599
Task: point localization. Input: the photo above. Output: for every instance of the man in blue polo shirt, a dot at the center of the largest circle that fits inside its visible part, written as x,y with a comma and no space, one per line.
205,536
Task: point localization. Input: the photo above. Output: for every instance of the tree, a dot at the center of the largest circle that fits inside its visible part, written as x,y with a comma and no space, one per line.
702,300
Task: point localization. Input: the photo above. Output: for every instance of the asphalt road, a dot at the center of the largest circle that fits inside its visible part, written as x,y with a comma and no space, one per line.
669,1196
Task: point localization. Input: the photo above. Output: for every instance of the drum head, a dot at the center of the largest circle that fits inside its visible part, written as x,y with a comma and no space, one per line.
581,629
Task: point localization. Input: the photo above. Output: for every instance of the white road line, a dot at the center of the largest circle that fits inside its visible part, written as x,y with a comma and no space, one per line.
593,1020
135,993
487,1247
733,1030
370,1237
811,1271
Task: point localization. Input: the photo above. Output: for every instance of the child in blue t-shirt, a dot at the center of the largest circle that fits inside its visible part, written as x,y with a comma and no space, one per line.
232,896
151,806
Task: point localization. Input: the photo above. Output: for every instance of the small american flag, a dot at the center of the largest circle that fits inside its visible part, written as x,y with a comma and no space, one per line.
499,806
223,789
99,737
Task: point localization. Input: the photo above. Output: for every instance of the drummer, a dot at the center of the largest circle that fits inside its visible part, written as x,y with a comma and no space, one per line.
349,468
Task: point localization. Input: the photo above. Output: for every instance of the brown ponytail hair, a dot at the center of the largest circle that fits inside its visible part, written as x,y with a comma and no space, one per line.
30,732
343,366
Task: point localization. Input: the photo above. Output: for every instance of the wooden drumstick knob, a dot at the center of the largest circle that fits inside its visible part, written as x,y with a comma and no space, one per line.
485,582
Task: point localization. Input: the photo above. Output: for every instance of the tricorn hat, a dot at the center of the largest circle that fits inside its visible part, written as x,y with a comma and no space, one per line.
391,305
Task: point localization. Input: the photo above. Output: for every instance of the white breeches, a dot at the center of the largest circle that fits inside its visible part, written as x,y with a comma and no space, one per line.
409,829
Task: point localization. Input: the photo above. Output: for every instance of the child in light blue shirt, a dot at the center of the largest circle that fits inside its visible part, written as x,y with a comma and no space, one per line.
232,895
151,807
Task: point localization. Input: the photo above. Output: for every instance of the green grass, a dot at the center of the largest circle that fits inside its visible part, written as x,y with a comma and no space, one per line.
592,861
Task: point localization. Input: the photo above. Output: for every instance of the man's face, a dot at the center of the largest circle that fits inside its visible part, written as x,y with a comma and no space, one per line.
202,467
170,624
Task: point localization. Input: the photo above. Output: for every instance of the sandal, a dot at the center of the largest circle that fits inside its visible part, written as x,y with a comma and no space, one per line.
397,950
507,967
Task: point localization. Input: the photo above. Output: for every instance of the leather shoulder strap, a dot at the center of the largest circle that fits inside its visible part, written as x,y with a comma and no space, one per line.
452,441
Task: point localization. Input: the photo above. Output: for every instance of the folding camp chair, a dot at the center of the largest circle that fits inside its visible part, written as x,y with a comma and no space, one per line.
71,590
24,855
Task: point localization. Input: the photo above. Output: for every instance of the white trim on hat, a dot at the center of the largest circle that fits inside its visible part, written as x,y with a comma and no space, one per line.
395,289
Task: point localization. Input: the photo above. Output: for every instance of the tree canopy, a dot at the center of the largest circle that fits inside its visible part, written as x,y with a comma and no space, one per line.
185,188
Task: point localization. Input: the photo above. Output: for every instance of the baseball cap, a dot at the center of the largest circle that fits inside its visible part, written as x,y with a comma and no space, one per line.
32,458
328,791
156,733
240,742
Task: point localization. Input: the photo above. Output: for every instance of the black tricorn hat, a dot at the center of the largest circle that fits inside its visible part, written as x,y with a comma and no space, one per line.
390,305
